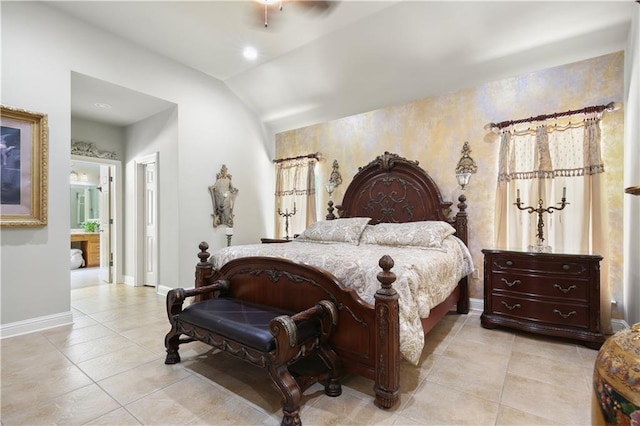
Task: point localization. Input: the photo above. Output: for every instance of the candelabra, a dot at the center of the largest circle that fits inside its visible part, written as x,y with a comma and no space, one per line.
286,214
540,247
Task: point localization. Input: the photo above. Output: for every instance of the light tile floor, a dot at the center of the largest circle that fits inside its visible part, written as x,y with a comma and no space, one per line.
108,369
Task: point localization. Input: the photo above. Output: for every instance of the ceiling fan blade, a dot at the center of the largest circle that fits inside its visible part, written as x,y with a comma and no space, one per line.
315,5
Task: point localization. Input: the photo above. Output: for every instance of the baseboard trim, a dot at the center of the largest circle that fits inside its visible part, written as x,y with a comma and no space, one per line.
619,324
163,290
476,304
128,280
34,325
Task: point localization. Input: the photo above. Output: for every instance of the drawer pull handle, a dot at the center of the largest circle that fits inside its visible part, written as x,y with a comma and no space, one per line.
566,267
565,316
511,284
511,308
509,263
564,290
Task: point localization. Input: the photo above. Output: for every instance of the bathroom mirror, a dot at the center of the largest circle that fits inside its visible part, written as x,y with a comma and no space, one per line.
84,205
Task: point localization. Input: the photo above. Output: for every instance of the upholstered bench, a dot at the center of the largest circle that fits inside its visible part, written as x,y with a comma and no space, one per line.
270,337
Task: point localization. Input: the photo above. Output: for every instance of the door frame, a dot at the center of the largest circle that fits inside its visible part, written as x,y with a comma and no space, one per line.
139,222
116,199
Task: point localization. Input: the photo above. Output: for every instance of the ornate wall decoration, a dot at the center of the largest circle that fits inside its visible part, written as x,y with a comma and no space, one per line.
223,197
89,149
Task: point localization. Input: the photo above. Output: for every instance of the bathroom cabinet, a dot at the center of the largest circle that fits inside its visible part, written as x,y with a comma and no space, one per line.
90,246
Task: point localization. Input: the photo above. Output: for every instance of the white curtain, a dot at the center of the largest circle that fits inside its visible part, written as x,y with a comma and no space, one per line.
295,190
544,163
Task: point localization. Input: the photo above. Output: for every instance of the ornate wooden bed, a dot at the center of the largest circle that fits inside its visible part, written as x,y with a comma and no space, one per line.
390,189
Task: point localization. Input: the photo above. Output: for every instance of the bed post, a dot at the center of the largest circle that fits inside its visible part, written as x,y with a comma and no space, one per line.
387,356
330,209
204,268
462,232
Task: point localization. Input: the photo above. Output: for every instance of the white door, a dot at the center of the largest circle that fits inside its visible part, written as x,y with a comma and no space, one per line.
150,226
106,220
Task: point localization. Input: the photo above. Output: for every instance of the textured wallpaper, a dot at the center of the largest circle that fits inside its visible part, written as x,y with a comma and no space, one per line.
433,130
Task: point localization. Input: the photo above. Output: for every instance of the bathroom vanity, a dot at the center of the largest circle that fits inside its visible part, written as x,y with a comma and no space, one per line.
89,243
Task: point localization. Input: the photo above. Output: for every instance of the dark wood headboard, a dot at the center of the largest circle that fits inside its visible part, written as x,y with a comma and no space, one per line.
392,189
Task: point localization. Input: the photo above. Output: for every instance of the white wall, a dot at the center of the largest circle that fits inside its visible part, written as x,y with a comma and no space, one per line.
41,47
632,173
156,134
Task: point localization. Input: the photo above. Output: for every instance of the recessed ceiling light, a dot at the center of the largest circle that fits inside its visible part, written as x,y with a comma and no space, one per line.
250,53
102,105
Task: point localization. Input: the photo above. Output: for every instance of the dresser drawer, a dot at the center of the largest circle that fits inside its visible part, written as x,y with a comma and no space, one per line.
541,311
93,252
541,285
545,265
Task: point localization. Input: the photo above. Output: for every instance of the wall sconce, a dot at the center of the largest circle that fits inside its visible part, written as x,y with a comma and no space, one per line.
466,167
330,187
223,196
335,179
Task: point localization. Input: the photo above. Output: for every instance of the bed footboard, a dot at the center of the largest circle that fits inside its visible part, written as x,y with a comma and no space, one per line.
367,339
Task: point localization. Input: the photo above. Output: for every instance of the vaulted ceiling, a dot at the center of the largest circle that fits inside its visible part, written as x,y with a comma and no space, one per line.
358,55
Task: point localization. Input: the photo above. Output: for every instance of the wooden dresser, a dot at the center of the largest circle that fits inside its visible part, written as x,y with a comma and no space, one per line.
90,246
546,293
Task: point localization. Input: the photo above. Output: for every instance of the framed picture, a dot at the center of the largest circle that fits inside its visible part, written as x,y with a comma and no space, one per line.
23,167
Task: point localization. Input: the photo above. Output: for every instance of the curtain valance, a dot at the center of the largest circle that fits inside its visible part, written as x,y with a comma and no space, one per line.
574,150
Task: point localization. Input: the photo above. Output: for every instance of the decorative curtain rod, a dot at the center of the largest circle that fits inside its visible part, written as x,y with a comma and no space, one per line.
611,106
315,155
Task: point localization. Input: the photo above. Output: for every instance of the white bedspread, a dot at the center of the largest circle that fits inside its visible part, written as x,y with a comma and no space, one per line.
425,277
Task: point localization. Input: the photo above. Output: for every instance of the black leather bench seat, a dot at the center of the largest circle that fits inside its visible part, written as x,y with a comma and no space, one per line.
244,322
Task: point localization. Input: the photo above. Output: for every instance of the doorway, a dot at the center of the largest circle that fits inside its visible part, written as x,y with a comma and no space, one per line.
146,241
96,209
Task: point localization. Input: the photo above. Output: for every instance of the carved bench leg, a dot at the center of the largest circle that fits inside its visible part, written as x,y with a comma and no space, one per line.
332,387
291,394
171,342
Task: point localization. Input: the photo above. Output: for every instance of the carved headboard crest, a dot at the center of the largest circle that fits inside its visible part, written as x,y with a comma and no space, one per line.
386,162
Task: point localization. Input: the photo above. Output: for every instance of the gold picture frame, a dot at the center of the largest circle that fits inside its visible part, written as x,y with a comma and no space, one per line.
23,167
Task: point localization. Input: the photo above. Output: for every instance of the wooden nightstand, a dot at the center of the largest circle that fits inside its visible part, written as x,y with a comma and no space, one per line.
546,293
274,240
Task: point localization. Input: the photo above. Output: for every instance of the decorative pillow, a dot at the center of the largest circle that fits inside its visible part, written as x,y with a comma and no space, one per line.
413,234
347,230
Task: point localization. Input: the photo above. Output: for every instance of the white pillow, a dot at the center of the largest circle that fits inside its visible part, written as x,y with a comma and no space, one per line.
412,234
347,230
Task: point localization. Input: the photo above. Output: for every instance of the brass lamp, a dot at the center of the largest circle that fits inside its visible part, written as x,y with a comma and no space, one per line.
466,167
